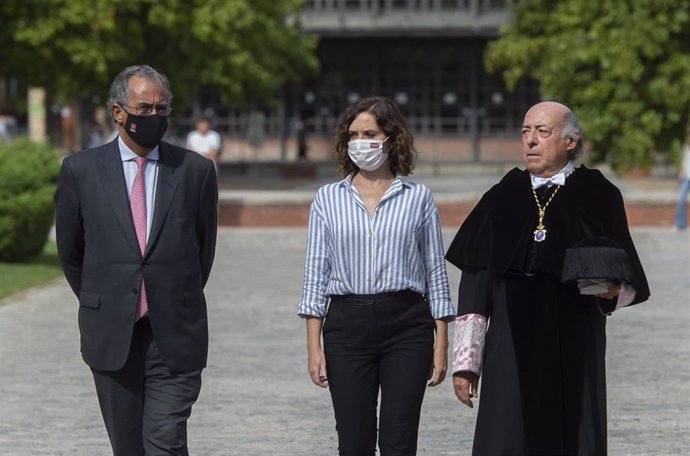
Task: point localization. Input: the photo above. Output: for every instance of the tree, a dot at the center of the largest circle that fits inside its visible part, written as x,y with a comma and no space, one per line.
243,49
622,65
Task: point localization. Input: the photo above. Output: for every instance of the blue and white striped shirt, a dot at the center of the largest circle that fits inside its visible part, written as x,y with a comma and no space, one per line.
399,247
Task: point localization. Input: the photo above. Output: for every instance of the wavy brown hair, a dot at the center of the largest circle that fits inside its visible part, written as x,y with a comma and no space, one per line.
401,152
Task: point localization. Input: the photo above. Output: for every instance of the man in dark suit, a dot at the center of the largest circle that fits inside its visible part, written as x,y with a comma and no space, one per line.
136,232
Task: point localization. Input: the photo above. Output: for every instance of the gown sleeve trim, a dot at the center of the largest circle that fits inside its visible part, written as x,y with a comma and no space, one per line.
468,343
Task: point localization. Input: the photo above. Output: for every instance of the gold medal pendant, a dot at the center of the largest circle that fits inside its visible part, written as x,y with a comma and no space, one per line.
540,232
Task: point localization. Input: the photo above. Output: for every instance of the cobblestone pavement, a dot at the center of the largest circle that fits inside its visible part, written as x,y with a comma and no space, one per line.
257,398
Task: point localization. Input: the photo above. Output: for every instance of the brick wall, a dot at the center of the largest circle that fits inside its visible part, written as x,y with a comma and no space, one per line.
234,213
240,214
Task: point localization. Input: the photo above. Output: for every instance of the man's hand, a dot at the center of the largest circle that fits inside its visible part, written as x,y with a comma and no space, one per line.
466,386
614,289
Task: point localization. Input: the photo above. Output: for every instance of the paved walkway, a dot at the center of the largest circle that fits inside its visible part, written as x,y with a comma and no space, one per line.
257,399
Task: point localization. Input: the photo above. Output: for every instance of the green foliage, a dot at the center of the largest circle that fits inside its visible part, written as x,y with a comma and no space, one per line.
243,49
622,65
27,182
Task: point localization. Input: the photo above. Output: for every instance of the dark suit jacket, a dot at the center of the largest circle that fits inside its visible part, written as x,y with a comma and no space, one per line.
98,249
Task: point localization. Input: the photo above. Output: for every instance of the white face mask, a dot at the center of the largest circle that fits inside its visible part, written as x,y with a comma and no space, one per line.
367,154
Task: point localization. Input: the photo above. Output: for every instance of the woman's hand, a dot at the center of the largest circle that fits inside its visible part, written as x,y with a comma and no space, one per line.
316,360
466,386
439,365
316,364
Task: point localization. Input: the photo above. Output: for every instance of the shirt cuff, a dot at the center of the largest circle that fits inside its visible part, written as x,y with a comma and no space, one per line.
468,343
312,309
442,310
625,296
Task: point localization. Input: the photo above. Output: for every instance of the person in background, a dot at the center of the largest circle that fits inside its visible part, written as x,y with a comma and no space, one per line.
375,285
8,125
98,130
136,234
302,145
542,357
684,189
205,141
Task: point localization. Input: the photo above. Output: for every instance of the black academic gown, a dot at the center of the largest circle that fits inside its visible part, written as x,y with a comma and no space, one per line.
543,388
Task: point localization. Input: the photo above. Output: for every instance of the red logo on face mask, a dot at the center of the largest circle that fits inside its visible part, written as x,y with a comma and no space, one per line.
133,128
374,145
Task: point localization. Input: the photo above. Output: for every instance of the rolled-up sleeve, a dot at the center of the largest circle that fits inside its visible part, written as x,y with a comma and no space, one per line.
317,266
431,246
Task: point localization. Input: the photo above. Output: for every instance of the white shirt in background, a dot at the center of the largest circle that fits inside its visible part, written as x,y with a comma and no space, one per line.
203,144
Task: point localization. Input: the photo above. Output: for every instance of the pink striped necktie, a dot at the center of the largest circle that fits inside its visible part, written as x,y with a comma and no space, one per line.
137,202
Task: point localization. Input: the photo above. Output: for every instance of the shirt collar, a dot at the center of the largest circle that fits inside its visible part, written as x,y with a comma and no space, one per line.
127,154
403,181
556,179
399,180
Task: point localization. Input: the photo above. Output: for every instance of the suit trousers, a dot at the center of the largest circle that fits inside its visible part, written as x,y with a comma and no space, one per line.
371,342
144,405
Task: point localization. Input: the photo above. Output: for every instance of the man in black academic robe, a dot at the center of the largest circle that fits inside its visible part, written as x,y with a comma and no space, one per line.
542,356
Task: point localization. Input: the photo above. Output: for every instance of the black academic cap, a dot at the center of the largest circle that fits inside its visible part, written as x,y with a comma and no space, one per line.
596,257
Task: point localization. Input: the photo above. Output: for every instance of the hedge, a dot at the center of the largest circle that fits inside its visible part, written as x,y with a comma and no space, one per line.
28,172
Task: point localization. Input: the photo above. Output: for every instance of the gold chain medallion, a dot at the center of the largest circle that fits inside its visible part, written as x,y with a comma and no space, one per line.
540,232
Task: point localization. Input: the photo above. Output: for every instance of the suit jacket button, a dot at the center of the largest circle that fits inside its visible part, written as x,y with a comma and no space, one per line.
134,291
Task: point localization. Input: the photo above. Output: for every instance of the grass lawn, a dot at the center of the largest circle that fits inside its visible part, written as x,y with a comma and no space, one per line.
15,277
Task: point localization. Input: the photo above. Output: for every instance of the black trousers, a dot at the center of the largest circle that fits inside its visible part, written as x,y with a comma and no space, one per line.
144,405
378,341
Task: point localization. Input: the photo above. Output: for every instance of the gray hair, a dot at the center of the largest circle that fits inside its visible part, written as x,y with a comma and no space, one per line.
572,129
118,89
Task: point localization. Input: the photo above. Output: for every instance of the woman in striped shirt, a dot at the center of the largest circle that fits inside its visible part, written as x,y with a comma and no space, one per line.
375,284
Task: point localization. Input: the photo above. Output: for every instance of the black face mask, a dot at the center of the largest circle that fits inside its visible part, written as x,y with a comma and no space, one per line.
147,131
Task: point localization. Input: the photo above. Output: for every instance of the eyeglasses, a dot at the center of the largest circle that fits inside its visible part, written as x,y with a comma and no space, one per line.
145,109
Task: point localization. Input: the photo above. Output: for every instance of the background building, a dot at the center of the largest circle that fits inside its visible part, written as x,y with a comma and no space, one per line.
427,55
